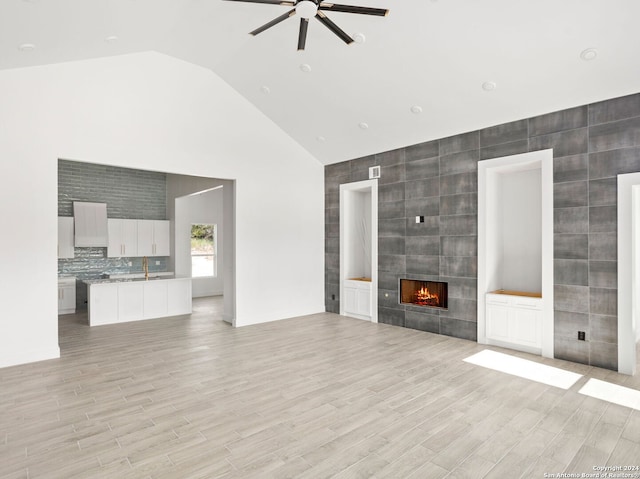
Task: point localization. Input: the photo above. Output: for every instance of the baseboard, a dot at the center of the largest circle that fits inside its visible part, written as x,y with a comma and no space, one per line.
24,357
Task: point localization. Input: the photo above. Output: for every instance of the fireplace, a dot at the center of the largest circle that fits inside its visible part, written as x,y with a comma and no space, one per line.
431,294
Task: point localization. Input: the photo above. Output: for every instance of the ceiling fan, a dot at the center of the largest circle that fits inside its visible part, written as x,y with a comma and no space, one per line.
314,8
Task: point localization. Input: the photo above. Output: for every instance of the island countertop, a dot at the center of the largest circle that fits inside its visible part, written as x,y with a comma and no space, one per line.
129,279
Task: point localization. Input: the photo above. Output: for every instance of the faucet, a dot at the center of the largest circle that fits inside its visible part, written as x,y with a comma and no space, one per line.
145,266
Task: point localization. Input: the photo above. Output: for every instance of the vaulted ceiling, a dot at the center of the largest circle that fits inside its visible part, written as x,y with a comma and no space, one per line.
430,69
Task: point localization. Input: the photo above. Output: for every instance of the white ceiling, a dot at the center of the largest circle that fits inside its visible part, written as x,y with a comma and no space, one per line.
431,53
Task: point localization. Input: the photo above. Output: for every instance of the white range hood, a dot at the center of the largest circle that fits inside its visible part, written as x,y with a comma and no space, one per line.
90,224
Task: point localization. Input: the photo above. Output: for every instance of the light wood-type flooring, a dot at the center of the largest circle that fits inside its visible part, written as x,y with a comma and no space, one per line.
311,397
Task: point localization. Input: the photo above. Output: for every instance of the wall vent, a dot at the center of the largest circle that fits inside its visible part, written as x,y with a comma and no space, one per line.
374,172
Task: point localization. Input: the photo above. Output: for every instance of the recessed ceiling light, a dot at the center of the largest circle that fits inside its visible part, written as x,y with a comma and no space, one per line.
265,89
489,86
363,126
111,39
321,138
305,67
359,38
27,47
589,54
417,109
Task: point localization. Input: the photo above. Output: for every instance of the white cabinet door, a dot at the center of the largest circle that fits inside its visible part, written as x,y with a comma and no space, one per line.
145,238
66,296
350,300
123,238
155,299
497,322
153,238
103,304
161,238
179,297
65,237
526,326
364,302
130,306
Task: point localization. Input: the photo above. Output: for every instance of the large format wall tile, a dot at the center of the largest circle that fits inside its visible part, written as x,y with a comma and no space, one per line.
437,180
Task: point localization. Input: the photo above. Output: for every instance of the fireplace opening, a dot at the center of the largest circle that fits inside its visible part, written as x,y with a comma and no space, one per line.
432,294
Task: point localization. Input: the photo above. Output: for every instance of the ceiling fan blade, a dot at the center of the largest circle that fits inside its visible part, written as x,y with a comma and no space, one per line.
273,22
302,37
334,28
334,7
268,2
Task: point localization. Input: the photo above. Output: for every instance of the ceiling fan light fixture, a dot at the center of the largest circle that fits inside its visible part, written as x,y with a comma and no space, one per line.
306,9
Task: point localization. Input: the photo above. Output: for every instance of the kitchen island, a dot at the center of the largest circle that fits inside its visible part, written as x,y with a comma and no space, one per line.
133,299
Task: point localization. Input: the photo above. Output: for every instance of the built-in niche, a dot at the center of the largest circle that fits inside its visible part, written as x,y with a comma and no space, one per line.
359,249
515,252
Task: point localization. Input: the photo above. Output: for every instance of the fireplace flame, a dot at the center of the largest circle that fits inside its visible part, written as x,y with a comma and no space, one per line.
426,298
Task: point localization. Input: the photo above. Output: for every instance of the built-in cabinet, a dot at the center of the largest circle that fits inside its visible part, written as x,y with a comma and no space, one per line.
359,250
357,298
514,318
123,238
515,252
65,237
153,238
137,300
66,295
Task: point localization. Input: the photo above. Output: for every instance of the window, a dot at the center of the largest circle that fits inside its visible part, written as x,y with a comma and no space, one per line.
203,250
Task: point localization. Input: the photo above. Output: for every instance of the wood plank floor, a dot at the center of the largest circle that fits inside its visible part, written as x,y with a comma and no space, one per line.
312,397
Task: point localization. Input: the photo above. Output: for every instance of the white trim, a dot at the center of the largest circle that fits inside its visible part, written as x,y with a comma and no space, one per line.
542,159
372,187
627,332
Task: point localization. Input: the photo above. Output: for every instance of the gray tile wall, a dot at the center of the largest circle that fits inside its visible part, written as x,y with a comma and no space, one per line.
128,193
591,144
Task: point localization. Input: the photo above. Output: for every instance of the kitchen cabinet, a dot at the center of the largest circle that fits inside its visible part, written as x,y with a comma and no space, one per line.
153,238
178,297
134,300
130,302
90,222
155,299
123,238
66,295
65,237
514,320
357,299
103,303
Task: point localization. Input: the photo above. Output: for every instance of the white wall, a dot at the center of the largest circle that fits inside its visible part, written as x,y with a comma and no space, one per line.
151,112
358,234
203,208
521,228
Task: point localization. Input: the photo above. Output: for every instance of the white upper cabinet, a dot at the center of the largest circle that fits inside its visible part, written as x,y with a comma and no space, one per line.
65,237
123,238
153,238
90,224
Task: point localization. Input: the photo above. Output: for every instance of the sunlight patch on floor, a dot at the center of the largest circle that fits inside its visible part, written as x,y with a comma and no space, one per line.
612,393
524,368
